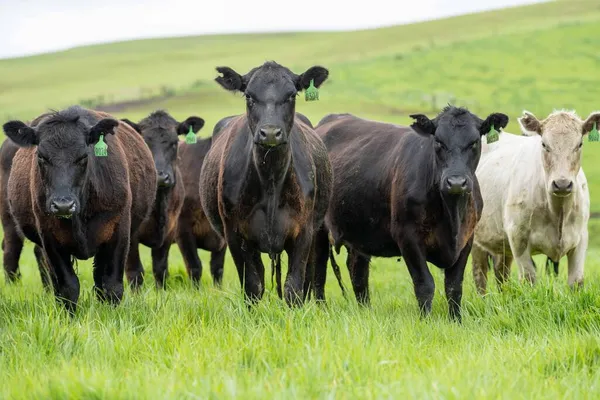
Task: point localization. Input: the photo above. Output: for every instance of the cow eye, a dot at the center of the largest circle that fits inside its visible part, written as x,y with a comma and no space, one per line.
579,146
439,145
42,159
249,100
474,146
545,146
291,98
82,160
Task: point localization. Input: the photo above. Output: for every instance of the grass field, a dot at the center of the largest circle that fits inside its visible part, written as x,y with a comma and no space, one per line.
541,342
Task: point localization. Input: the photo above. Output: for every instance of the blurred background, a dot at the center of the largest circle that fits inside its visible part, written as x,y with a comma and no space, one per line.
386,59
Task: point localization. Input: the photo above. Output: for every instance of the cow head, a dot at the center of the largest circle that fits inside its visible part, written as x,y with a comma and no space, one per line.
64,143
270,92
562,139
456,139
160,132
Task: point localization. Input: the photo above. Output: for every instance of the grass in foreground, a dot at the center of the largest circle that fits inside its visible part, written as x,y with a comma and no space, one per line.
540,342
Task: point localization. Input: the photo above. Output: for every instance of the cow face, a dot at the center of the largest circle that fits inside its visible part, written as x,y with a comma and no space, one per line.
160,132
562,135
456,139
270,91
64,148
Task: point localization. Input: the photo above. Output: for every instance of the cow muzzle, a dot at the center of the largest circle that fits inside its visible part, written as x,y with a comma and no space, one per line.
63,207
456,185
562,187
270,136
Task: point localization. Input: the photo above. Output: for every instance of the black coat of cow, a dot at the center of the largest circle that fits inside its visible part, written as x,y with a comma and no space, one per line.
266,181
73,203
401,191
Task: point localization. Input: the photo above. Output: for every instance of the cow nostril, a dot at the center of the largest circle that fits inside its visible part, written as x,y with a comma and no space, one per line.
278,133
263,133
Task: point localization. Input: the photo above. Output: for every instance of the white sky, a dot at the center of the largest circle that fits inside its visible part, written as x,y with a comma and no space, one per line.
37,26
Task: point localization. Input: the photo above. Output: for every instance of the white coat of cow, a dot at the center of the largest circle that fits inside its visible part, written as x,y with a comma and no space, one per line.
536,198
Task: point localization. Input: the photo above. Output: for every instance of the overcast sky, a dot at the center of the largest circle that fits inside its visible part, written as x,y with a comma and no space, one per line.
37,26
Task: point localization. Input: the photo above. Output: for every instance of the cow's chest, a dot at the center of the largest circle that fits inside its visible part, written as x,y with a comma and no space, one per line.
551,237
268,220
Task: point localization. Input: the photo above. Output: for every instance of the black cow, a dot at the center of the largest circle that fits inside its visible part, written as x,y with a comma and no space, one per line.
160,131
405,192
75,198
266,182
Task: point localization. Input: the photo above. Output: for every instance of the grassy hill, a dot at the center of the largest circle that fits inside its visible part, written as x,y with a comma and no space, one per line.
539,343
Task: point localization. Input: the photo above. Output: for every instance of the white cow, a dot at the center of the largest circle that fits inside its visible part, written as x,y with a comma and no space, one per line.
535,197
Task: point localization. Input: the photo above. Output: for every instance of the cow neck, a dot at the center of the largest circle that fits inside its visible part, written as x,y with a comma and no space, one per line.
455,209
272,165
161,205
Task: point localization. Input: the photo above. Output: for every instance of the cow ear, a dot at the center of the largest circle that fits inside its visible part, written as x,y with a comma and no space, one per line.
104,127
530,125
196,123
316,74
135,126
423,125
230,80
588,124
21,134
498,120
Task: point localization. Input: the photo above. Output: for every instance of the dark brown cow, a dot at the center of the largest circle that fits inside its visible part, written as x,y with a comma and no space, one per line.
266,181
404,192
160,131
76,204
193,228
12,242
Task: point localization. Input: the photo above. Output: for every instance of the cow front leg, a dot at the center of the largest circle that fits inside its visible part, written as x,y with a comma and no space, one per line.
217,263
480,268
414,257
115,252
359,268
454,281
298,254
12,246
245,260
576,258
134,269
64,279
160,264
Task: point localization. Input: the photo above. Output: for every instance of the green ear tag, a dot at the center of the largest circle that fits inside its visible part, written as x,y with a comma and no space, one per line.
311,93
593,136
190,138
101,148
492,135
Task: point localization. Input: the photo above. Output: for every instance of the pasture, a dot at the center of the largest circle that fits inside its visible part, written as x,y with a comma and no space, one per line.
204,343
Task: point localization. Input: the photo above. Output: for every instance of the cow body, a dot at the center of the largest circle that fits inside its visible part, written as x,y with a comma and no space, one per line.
525,213
394,195
266,181
90,206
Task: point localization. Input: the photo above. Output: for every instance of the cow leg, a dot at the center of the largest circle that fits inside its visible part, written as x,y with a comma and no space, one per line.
298,254
245,263
116,256
12,246
519,248
576,260
217,263
187,245
480,268
160,264
134,270
453,283
320,258
43,267
64,279
414,257
358,266
502,269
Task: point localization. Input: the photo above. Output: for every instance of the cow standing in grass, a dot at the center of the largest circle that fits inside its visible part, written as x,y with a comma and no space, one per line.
266,181
536,198
404,192
73,203
161,133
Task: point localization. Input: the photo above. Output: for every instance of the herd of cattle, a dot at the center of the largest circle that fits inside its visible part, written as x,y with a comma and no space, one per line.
269,181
